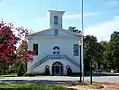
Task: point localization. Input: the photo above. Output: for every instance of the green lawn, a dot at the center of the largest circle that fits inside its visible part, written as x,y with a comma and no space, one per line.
9,75
15,75
30,87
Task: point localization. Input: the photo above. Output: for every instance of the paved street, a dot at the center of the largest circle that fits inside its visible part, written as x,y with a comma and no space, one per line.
60,78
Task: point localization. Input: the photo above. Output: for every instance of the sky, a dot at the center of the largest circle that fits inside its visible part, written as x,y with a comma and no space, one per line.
101,17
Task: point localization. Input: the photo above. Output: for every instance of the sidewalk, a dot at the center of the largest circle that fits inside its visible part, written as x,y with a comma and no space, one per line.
110,86
47,80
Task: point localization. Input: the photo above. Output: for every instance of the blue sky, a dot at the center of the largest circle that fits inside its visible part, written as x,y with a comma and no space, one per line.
101,17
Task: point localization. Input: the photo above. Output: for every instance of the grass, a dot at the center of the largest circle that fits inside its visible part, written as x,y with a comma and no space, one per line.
15,75
9,75
31,87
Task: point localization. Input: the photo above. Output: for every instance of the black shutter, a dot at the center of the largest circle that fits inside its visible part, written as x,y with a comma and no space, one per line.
76,50
35,48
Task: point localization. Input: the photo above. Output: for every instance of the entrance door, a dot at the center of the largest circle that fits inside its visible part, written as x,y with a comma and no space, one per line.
57,68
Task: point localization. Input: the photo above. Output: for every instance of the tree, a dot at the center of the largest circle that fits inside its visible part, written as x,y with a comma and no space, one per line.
111,52
114,51
8,41
21,69
106,54
93,51
74,29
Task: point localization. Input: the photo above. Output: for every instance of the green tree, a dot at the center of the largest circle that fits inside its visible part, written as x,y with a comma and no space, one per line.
106,54
93,50
114,51
74,29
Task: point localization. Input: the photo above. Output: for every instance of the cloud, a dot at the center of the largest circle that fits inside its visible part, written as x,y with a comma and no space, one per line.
78,15
104,30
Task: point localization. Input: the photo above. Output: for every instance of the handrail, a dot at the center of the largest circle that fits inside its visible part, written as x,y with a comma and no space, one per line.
38,63
48,57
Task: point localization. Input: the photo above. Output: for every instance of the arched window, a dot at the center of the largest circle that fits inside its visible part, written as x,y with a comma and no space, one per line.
56,47
56,50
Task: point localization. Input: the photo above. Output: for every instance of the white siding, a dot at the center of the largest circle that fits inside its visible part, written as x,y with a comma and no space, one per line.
45,46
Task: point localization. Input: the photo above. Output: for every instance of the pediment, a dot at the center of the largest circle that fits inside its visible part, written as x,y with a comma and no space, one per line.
61,32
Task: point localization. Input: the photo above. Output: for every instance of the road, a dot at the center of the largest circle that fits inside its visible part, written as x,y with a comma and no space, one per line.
57,79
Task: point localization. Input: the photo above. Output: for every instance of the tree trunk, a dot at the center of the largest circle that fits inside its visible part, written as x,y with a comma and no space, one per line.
4,68
118,69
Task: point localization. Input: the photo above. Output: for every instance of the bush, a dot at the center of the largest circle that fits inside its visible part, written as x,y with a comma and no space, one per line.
47,71
21,69
69,72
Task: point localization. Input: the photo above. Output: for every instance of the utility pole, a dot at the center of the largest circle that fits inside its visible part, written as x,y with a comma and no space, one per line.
82,26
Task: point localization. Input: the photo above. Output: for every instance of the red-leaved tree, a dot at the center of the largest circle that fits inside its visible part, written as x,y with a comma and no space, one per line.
9,38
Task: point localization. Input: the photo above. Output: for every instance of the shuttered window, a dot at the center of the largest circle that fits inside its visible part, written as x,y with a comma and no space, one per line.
75,50
55,20
35,48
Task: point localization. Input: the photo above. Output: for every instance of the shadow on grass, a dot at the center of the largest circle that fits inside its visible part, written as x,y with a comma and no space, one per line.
31,87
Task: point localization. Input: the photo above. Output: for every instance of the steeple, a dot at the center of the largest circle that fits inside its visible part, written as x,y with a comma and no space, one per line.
55,18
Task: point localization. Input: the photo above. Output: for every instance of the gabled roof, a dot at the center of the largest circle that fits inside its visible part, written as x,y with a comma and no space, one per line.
63,30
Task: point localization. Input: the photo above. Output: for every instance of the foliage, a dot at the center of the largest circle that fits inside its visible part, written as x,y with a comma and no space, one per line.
103,53
73,29
106,54
113,53
69,71
31,87
21,69
47,71
23,54
93,50
9,38
100,53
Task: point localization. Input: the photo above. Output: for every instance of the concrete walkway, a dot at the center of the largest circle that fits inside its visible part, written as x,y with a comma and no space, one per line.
58,79
109,82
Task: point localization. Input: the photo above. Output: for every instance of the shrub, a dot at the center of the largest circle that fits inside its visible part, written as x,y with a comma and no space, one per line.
69,72
47,71
21,69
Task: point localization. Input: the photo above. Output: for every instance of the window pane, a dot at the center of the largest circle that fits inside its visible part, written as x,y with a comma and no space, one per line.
56,32
55,19
35,48
76,50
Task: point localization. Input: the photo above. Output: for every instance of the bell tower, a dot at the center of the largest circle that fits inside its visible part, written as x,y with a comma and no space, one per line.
55,18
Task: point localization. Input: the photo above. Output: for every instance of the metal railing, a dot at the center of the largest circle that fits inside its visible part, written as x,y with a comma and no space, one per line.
49,57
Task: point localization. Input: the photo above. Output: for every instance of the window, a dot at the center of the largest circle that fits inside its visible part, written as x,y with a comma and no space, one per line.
56,32
35,48
56,50
76,50
55,19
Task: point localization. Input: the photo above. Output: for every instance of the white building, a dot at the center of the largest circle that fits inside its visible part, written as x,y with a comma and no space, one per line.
56,48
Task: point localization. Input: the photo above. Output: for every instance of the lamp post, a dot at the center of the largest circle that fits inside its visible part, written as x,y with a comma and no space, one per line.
117,46
90,70
79,44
